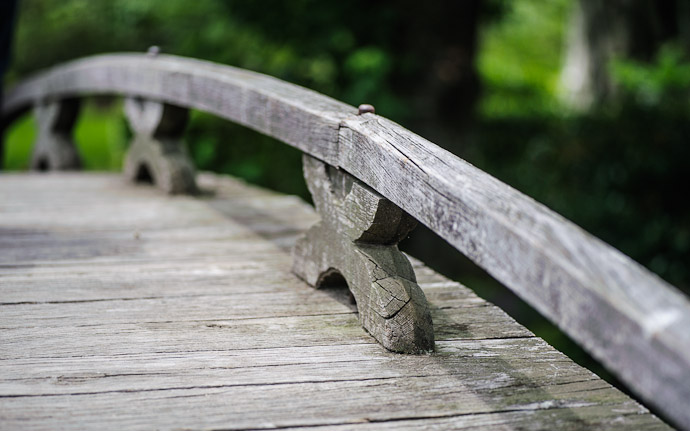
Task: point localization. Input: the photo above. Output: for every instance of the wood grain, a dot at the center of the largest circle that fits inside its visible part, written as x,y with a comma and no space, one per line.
357,241
625,316
166,335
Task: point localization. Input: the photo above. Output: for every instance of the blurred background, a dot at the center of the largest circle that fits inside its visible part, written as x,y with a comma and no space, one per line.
581,104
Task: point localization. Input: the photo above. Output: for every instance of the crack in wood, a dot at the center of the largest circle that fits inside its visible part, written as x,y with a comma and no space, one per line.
357,237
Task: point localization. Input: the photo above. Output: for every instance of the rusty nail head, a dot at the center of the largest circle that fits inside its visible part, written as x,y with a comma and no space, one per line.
153,51
366,108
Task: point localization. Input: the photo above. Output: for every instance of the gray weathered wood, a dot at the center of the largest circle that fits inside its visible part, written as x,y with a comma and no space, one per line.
157,150
625,316
622,314
357,239
54,147
182,312
300,117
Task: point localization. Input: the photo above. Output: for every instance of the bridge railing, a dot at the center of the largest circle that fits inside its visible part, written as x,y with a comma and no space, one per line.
371,179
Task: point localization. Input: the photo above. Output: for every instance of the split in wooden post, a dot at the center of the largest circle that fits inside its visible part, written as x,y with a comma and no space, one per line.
54,148
357,238
157,152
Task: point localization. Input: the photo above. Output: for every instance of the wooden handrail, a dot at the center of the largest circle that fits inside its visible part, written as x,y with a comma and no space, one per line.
636,324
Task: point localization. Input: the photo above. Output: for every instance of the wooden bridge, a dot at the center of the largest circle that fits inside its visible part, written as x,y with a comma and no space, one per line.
191,306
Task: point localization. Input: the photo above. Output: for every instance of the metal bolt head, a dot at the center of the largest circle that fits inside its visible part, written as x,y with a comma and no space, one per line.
366,108
153,51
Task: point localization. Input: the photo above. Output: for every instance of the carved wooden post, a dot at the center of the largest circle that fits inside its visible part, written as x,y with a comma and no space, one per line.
54,148
357,237
157,152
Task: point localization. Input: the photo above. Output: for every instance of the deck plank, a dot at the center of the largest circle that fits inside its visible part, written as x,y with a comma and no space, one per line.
121,307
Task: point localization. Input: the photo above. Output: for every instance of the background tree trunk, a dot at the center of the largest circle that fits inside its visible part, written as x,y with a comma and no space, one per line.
604,30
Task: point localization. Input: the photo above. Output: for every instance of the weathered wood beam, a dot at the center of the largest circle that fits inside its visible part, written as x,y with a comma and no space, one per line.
54,148
302,118
357,239
157,152
625,316
636,324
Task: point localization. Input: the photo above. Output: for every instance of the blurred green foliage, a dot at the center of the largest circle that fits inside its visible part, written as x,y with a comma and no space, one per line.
663,85
18,143
519,59
617,170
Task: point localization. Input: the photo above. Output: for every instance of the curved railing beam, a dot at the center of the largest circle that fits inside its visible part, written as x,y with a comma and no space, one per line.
626,317
302,118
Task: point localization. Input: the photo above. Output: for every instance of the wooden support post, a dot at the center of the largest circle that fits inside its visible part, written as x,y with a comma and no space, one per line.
54,148
157,152
357,238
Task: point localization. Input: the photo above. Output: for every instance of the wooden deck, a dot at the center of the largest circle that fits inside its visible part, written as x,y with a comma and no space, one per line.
124,308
